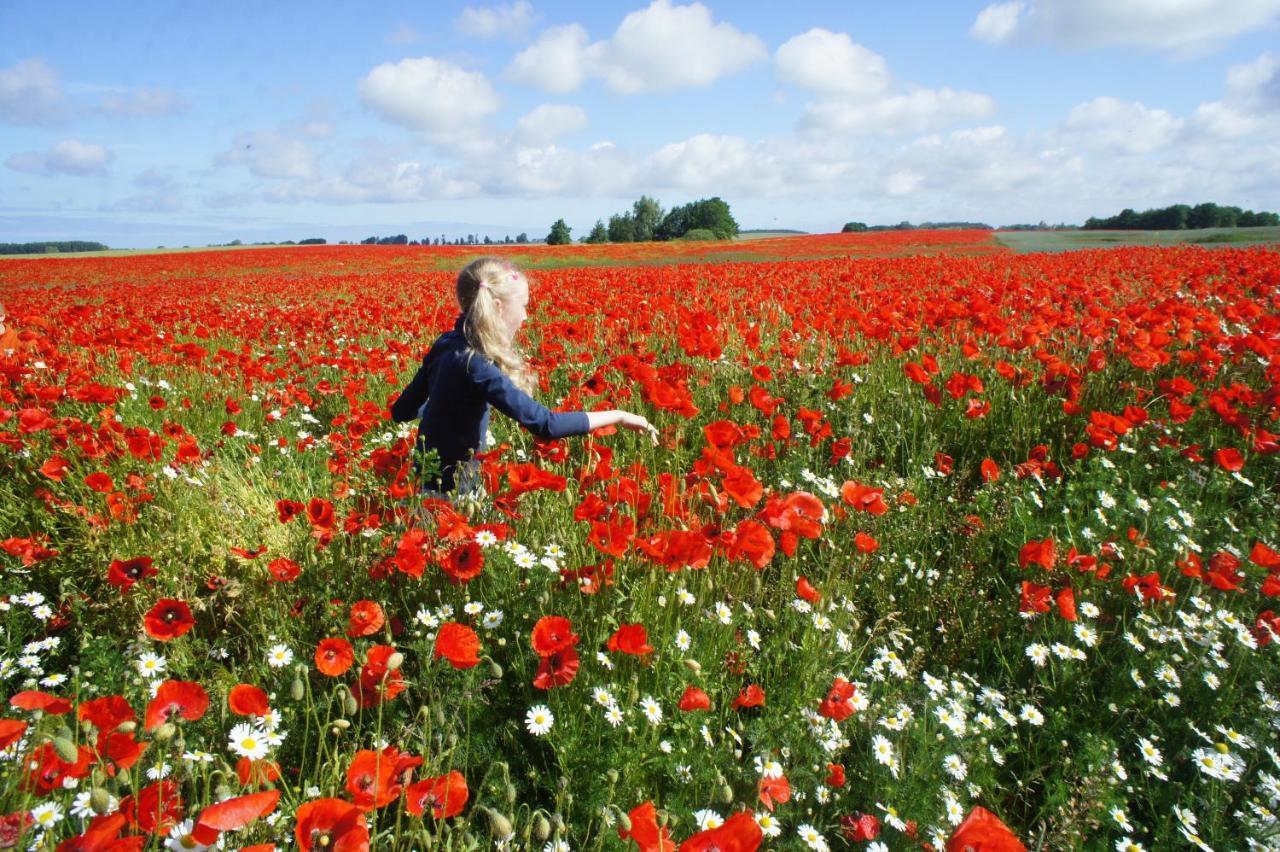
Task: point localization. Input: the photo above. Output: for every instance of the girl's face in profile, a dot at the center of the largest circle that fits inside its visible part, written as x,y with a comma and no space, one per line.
2,318
514,308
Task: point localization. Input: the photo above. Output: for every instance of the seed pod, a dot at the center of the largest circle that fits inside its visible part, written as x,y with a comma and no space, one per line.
66,749
726,794
296,690
165,732
499,825
99,800
541,828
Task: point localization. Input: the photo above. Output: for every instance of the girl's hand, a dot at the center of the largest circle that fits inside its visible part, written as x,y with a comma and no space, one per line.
637,423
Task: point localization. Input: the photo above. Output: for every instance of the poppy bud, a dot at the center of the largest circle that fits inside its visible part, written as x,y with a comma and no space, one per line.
66,749
624,821
509,792
395,661
127,727
349,705
499,825
452,739
222,791
495,670
341,724
439,715
612,775
296,690
726,794
99,801
541,828
165,732
693,666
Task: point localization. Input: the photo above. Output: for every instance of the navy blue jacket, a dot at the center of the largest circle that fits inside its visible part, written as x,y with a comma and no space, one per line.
451,394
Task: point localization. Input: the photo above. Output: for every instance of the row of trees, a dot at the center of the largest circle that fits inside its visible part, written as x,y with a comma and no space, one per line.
859,227
704,219
1180,217
442,240
52,247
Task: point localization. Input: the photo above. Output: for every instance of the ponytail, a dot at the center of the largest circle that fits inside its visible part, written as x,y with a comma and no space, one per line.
480,284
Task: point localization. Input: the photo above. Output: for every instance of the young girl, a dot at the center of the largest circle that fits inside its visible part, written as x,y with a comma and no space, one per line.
477,365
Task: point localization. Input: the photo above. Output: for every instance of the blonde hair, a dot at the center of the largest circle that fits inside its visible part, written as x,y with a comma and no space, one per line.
480,285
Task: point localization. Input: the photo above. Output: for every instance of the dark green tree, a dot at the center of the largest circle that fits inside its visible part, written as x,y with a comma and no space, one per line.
622,228
559,235
647,214
598,234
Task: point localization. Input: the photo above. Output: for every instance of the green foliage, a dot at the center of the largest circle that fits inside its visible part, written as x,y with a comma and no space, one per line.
698,234
559,235
853,227
598,234
711,214
50,247
622,228
1178,217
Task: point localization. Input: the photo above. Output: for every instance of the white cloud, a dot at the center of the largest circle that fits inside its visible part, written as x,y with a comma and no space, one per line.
429,95
140,103
510,21
1249,107
270,154
1125,126
161,195
69,157
660,48
1184,27
30,93
556,62
914,111
548,122
832,63
998,22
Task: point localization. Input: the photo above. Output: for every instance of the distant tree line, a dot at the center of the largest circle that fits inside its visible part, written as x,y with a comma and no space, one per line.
1180,217
51,247
858,227
1042,226
442,240
704,219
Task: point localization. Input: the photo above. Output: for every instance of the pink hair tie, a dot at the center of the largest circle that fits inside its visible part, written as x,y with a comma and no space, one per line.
484,286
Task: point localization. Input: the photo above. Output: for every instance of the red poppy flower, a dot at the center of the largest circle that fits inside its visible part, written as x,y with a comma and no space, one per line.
739,833
334,657
558,669
459,644
982,831
100,482
1264,557
464,562
835,775
838,705
1066,600
46,770
176,697
1229,459
805,590
233,814
773,790
287,510
366,618
106,713
553,633
446,795
331,825
630,639
753,542
378,681
1265,629
645,830
123,573
11,730
256,773
860,827
283,569
865,543
694,699
320,513
990,470
750,696
1038,552
34,699
742,487
168,619
247,700
1035,597
156,809
372,779
864,498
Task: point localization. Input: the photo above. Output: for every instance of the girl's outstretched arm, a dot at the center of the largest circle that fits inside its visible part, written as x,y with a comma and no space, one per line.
625,419
409,403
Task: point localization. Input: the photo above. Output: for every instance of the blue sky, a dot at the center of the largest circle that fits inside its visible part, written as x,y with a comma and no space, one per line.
160,123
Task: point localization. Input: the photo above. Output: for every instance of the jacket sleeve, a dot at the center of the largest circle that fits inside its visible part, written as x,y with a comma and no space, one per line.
500,392
409,403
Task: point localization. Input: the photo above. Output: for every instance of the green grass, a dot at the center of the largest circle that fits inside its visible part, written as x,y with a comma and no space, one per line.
1056,241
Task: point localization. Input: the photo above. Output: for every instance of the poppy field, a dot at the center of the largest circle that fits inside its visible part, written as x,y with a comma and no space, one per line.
942,547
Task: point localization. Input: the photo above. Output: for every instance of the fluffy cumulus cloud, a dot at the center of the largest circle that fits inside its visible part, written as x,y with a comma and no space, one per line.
430,95
511,21
30,93
140,103
68,157
270,154
548,122
1184,27
660,48
1119,125
913,111
824,61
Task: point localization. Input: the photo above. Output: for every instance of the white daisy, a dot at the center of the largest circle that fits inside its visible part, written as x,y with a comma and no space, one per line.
539,719
248,741
652,709
279,656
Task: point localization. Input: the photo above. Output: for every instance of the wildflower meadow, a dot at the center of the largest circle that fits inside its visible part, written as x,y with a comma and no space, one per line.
941,546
